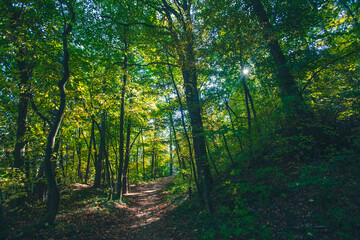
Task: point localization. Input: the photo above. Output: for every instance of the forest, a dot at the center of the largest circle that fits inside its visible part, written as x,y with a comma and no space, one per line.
180,119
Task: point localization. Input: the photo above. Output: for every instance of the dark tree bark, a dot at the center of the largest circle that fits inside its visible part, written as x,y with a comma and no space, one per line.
53,195
291,97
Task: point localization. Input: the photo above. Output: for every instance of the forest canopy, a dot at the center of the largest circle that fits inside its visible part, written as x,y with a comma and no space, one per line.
239,98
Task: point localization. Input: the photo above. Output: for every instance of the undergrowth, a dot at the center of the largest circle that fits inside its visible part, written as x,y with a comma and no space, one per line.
308,199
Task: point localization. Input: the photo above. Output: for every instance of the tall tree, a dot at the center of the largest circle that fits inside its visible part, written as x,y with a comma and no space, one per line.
54,196
122,122
291,97
179,17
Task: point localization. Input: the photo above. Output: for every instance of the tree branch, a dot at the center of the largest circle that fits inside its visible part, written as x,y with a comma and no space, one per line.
325,66
135,139
36,110
149,64
134,23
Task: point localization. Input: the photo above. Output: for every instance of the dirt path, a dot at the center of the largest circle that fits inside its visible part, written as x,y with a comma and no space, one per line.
147,207
86,216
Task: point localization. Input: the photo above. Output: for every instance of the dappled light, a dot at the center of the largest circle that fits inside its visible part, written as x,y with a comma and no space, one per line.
179,119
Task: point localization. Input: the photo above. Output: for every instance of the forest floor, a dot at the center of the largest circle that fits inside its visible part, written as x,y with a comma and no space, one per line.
85,213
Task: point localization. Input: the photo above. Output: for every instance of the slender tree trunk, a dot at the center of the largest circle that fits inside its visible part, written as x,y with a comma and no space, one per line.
233,127
143,157
54,196
122,116
177,147
127,156
192,164
95,149
107,163
247,109
250,99
137,161
211,159
79,156
227,149
152,176
89,151
61,159
100,156
171,157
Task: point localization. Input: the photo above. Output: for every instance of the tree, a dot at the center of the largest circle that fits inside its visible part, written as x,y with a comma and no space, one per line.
291,97
179,21
54,196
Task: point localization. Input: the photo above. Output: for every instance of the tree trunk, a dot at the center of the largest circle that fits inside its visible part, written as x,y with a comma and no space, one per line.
89,151
211,159
127,156
61,160
54,195
177,147
137,161
79,156
24,86
152,176
248,113
291,97
143,157
122,114
193,104
227,149
94,142
171,157
100,156
184,127
23,75
233,127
